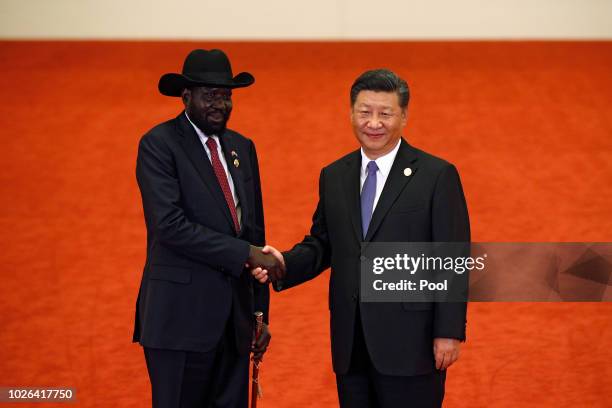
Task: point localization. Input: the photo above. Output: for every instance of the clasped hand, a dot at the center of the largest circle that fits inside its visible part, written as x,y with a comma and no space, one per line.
266,264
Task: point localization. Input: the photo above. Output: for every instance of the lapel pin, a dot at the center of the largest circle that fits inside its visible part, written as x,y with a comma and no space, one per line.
236,162
234,154
407,171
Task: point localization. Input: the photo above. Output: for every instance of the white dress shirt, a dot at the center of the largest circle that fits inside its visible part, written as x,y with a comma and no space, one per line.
203,139
384,164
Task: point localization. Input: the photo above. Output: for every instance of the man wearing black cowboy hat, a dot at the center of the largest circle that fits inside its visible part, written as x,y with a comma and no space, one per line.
202,203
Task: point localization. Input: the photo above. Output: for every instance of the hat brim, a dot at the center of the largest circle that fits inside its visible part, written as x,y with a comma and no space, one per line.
173,84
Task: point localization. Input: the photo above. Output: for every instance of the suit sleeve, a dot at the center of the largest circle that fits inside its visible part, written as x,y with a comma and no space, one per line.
310,257
450,223
261,292
159,186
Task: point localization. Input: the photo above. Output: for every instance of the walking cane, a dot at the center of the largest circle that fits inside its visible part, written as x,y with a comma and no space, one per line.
255,387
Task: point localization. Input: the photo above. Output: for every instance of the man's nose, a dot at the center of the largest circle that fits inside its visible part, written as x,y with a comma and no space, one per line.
219,103
375,122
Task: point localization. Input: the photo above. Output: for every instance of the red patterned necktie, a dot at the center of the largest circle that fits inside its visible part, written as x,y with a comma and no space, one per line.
222,177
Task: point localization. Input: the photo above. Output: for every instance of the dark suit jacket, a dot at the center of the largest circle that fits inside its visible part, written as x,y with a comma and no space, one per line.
194,277
427,206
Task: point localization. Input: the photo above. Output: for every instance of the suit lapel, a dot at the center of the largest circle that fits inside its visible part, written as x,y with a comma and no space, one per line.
195,151
352,193
396,181
232,157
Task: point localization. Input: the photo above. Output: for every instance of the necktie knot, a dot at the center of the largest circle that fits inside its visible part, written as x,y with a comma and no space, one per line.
211,143
372,167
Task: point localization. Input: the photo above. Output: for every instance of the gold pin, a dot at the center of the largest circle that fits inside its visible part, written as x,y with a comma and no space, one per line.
407,171
236,162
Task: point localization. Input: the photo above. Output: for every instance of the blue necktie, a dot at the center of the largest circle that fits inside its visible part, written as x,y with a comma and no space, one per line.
368,193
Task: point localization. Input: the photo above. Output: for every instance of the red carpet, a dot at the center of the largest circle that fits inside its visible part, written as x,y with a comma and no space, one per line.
528,125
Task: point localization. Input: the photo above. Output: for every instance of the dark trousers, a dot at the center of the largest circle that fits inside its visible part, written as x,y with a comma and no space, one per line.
182,379
364,387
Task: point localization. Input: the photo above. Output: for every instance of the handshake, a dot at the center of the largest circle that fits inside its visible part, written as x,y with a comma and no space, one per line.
266,264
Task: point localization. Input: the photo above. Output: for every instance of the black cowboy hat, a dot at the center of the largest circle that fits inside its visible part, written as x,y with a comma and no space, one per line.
204,68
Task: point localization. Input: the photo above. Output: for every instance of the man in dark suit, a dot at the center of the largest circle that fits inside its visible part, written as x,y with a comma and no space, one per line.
384,354
202,203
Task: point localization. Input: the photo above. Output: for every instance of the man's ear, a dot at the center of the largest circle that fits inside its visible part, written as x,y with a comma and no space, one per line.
186,96
404,116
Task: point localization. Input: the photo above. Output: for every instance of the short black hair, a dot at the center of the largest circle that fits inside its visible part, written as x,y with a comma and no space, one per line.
381,80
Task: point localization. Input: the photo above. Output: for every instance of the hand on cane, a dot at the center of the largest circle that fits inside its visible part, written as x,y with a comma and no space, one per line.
260,345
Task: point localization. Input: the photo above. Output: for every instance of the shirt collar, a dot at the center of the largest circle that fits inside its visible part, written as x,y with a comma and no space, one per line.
384,163
200,134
